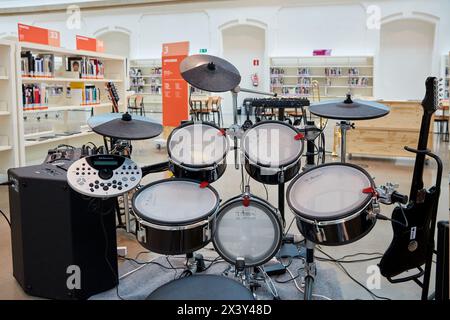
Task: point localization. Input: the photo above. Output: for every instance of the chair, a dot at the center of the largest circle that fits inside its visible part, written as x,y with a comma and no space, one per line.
296,115
138,107
202,112
215,103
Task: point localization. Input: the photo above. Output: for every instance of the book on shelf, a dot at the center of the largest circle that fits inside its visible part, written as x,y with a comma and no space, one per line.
37,65
84,94
88,68
34,96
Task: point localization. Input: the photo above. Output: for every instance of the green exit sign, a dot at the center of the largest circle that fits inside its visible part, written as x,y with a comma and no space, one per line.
203,50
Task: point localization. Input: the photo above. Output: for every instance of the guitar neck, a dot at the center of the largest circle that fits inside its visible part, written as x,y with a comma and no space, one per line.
417,181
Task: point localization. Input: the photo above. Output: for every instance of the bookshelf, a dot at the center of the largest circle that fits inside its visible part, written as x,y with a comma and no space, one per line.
67,97
446,76
293,76
9,156
145,78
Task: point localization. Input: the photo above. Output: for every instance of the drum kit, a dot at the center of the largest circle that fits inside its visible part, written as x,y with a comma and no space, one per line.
333,203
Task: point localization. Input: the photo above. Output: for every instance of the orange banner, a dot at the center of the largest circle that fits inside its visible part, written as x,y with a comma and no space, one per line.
38,35
89,44
174,88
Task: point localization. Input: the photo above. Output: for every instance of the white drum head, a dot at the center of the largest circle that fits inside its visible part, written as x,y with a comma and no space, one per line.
252,233
197,144
329,191
174,202
272,144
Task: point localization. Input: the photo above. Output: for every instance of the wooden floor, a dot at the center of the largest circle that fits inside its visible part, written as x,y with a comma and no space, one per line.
398,171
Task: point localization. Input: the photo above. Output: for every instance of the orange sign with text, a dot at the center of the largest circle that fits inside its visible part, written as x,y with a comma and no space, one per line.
38,35
174,88
90,44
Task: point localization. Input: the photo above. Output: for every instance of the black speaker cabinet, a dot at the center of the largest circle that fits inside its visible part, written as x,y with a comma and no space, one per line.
63,243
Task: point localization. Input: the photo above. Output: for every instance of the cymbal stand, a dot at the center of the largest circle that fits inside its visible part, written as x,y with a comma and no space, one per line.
123,148
344,125
235,127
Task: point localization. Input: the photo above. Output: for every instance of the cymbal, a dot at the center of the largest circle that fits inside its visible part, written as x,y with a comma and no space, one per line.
349,109
124,126
210,73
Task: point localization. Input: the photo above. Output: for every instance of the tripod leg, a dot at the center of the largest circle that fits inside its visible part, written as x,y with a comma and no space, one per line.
309,283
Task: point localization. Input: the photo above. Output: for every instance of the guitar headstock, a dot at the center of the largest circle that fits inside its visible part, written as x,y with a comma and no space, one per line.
431,101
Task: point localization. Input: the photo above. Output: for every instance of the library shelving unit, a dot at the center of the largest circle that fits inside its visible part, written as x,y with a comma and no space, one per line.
9,156
446,76
335,75
146,80
62,117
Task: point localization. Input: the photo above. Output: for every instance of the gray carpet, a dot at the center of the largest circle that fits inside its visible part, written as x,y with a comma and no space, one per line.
140,284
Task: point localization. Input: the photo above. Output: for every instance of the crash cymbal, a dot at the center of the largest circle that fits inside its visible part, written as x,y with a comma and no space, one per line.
210,73
124,126
349,109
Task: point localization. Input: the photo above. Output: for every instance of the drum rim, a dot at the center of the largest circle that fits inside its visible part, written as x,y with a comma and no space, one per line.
261,202
358,209
257,163
178,223
196,166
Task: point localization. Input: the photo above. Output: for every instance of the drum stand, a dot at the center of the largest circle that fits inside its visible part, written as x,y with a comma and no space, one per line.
344,126
310,271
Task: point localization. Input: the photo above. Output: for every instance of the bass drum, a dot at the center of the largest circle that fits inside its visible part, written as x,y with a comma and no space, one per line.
272,151
334,203
202,287
175,216
248,227
198,151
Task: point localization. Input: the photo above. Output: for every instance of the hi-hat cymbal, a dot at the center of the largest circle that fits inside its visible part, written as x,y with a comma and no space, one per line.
349,109
124,126
210,73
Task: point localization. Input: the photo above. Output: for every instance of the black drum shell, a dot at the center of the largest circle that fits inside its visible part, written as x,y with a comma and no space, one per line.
338,232
255,171
208,175
174,242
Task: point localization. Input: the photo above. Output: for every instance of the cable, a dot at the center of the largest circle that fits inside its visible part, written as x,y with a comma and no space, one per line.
352,278
6,218
269,283
302,291
290,225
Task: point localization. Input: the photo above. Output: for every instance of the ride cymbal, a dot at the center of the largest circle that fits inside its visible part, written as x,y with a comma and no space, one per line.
210,73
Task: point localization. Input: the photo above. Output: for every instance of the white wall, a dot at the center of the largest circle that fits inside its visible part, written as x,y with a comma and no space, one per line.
118,43
294,27
405,60
241,45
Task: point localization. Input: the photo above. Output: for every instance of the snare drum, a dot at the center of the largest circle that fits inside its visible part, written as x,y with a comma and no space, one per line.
272,151
197,151
248,227
334,203
175,216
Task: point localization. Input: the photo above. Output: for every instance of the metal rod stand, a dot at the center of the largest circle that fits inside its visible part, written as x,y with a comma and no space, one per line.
310,270
344,126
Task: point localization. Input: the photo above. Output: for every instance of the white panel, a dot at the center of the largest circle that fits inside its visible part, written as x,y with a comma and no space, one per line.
340,28
158,29
406,54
